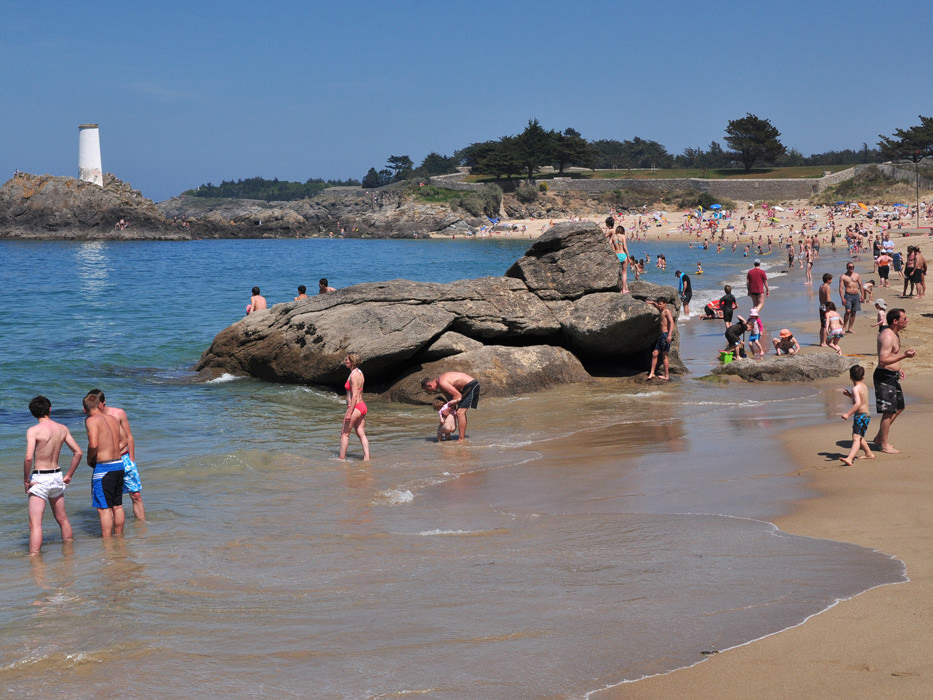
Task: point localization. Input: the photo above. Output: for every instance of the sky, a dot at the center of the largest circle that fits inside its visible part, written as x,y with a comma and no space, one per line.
197,92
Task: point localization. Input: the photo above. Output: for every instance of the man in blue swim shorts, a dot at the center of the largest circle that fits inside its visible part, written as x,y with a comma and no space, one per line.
131,482
103,455
850,291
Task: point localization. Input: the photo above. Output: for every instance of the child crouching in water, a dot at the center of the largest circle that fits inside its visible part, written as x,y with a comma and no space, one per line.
447,419
859,396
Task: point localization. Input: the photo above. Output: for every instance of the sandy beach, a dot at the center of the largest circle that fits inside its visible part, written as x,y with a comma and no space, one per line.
875,645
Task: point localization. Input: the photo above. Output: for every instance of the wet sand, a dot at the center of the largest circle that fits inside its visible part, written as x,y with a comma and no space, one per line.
877,644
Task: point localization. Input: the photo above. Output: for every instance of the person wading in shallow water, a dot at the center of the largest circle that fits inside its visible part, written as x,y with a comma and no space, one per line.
663,347
461,391
355,417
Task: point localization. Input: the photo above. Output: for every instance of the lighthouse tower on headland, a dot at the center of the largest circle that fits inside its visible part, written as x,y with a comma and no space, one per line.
89,168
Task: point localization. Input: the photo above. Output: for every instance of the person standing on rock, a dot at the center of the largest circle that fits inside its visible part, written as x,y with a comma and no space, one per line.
461,391
257,302
662,348
355,417
620,248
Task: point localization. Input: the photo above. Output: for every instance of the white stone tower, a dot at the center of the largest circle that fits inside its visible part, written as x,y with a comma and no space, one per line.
89,168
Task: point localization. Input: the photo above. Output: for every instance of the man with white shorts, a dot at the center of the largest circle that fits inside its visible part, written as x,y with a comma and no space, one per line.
42,476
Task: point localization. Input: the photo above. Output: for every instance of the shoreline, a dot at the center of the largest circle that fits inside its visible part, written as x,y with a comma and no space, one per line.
874,644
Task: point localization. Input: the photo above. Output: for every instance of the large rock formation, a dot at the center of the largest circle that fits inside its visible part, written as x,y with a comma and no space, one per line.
802,367
47,206
558,310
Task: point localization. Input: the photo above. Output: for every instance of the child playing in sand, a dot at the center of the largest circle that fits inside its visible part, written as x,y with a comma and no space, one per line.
859,396
867,289
447,418
834,327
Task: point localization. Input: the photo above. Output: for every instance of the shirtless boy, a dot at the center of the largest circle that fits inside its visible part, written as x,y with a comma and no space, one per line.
42,476
131,483
462,392
859,396
889,397
103,455
663,347
257,302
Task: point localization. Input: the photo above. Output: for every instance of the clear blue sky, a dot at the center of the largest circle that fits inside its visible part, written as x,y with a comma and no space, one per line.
194,92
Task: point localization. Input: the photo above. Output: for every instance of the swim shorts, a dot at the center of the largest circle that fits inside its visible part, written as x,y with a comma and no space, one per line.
663,344
889,397
47,485
860,424
752,337
852,301
107,484
469,395
686,297
916,276
883,271
131,483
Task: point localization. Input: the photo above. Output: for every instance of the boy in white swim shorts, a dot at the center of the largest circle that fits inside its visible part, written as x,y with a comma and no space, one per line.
42,476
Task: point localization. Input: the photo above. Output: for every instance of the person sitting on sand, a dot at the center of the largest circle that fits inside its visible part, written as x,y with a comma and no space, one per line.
859,396
447,419
786,343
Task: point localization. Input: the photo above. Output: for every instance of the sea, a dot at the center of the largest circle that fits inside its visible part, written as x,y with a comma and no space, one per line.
583,537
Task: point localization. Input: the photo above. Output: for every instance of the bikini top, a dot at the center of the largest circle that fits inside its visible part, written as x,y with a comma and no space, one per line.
347,385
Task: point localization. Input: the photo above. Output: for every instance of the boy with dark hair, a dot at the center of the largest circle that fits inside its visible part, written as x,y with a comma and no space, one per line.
42,476
859,396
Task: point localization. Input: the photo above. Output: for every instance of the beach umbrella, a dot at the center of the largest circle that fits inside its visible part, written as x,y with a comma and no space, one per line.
900,205
715,206
840,202
779,208
863,206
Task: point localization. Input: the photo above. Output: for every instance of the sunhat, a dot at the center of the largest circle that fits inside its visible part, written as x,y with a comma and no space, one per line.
785,333
881,303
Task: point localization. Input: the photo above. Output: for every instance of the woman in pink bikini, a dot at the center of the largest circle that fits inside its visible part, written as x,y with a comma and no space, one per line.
355,417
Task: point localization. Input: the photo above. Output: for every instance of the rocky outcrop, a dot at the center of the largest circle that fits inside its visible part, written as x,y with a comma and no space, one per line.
344,212
558,310
803,367
46,206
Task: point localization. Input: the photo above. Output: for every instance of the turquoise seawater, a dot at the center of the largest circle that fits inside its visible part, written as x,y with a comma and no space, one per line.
584,536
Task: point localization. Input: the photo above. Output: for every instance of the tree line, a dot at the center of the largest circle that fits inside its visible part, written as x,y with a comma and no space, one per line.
749,141
274,190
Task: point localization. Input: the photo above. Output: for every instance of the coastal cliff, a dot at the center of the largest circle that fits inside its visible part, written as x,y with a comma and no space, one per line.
555,317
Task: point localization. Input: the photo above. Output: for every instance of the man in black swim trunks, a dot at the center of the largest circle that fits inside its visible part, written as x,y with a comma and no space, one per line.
662,347
889,397
461,391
